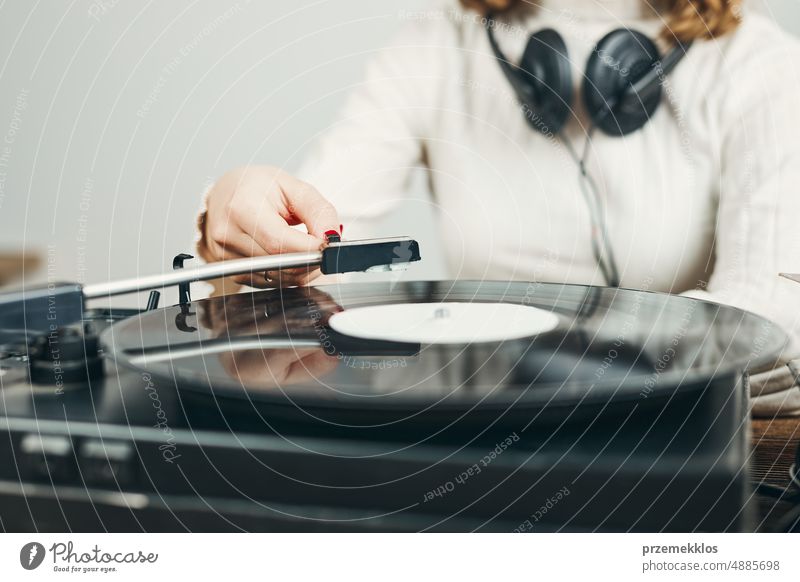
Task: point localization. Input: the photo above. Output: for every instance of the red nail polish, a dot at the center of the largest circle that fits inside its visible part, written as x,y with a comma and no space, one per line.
332,236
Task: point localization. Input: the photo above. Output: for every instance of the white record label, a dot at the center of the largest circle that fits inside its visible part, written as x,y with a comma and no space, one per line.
443,323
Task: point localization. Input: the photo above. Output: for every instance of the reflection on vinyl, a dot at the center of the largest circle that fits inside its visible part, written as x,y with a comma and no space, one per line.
592,347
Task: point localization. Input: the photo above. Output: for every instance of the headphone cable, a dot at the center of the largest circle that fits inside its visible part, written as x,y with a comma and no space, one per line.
591,195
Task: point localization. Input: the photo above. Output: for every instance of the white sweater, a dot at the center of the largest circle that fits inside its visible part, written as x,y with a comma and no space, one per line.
704,199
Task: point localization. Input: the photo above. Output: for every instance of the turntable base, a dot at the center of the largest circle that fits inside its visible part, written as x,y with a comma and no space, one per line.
148,446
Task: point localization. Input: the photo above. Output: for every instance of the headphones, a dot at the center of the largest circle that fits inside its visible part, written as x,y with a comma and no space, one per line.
622,87
621,91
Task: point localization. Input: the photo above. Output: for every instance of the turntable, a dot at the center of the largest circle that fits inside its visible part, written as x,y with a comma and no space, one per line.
436,406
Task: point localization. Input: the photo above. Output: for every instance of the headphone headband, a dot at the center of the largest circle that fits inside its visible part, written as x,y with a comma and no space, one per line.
644,90
650,81
512,72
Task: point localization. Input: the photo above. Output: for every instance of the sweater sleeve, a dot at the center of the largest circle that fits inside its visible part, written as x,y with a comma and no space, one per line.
363,162
758,217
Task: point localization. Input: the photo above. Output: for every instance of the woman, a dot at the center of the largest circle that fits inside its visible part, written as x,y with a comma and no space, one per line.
701,199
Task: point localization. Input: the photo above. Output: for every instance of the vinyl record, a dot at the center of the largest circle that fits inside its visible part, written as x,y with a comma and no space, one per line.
416,351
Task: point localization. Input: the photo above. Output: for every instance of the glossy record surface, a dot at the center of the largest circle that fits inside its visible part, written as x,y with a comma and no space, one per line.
274,347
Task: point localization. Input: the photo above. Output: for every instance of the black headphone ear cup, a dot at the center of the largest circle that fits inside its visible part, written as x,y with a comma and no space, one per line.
545,67
621,58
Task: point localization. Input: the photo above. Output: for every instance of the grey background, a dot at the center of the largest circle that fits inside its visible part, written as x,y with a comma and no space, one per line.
121,112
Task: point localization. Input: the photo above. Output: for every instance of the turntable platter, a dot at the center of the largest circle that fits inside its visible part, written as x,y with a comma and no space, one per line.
530,346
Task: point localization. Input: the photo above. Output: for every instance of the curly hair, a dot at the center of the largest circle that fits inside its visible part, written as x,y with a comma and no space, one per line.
685,19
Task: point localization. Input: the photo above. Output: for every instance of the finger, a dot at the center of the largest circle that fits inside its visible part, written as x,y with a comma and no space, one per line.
306,278
226,240
257,281
291,277
275,236
308,206
278,278
265,219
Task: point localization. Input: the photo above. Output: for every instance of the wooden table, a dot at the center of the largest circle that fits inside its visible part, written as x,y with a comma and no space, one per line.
14,264
774,444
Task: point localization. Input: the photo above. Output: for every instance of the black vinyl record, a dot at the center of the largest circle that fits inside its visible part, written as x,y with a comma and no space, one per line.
275,352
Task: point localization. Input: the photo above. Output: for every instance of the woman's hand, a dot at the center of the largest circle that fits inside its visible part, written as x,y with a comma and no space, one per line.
250,212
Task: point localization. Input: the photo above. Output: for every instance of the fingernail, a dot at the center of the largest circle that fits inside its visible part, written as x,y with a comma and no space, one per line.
332,236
